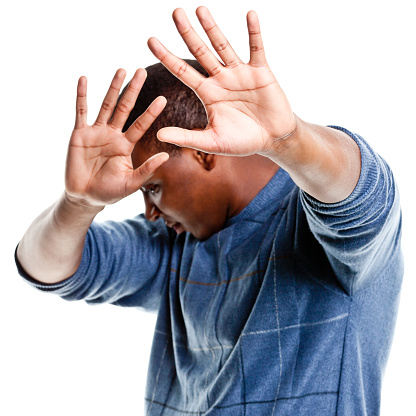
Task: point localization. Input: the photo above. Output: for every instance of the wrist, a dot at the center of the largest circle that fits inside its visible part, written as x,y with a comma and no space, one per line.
73,216
81,204
280,146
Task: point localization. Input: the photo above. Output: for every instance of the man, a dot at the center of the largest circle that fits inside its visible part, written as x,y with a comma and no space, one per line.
270,248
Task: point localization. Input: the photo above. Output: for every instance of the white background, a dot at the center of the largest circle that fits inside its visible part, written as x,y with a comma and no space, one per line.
350,63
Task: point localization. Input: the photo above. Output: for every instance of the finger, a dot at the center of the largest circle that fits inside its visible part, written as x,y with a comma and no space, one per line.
128,100
110,99
257,56
188,75
195,44
195,139
216,37
144,172
81,104
136,131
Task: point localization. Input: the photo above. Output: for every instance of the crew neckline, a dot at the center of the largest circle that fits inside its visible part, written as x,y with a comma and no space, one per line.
273,190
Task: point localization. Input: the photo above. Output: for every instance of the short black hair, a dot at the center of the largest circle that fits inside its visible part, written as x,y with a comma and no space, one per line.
183,109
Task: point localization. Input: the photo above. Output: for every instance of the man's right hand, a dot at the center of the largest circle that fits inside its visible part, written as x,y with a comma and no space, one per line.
99,169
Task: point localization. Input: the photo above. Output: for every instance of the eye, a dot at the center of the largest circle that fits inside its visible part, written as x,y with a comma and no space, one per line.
153,190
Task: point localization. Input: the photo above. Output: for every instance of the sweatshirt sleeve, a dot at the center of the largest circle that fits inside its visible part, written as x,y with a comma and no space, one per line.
361,234
123,263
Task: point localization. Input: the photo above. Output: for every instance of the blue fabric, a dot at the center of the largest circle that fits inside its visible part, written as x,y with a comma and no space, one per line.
289,310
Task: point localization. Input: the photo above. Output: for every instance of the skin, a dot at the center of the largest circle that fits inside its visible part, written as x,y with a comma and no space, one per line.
99,171
248,112
251,132
198,192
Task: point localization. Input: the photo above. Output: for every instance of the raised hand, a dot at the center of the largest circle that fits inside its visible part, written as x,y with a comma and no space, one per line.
247,110
99,169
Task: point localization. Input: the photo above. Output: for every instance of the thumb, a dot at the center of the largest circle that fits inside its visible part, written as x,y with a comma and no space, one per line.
203,140
144,172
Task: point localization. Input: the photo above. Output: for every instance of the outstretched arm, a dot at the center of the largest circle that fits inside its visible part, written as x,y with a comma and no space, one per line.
99,171
249,113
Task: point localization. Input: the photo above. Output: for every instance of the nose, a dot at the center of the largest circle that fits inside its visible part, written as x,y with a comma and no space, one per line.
152,212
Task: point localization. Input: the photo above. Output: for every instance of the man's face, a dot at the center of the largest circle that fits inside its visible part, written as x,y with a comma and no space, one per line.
185,193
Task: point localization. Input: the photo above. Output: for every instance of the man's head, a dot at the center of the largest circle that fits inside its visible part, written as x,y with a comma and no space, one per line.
193,191
183,107
183,191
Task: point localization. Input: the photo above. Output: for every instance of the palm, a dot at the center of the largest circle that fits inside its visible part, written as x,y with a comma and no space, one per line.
242,109
99,166
101,163
246,108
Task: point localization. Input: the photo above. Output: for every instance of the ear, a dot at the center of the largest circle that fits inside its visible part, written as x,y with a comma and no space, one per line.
207,160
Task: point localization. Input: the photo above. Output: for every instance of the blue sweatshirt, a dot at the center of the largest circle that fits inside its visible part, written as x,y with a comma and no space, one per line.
289,310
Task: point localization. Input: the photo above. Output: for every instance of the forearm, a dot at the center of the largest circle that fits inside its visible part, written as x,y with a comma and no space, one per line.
51,249
322,161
